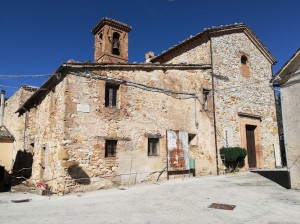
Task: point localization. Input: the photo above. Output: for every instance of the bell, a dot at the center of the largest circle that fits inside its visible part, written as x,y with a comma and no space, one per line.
116,45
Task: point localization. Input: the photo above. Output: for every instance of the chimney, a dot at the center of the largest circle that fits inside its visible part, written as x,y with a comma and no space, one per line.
149,55
2,107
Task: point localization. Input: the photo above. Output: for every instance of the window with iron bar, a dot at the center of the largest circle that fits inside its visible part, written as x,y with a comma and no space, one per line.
111,94
110,148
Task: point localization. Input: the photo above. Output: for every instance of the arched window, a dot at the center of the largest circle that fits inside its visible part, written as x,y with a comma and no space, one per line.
116,44
244,60
245,64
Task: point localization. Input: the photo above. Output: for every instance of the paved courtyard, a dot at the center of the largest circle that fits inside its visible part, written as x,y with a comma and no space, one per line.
257,200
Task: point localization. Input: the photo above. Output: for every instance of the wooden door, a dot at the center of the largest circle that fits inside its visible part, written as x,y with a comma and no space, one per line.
250,137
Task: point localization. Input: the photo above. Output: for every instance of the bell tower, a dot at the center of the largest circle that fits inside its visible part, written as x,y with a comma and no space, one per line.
111,41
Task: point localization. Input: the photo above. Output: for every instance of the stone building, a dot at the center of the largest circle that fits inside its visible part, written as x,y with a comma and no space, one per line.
6,148
96,125
15,126
288,79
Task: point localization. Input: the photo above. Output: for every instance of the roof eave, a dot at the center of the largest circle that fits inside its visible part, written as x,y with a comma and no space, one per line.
113,22
212,32
279,76
61,72
28,102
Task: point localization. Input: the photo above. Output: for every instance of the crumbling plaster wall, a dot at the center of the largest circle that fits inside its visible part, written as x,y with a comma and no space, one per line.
237,93
290,93
141,111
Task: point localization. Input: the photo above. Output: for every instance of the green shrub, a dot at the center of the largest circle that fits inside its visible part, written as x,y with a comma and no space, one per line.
233,156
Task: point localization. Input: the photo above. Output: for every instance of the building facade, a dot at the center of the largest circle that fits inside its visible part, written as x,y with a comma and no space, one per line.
107,123
288,79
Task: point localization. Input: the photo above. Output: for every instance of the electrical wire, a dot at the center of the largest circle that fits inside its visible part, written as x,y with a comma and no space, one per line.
23,76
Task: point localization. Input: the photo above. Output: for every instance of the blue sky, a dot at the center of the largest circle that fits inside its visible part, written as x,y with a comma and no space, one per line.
37,36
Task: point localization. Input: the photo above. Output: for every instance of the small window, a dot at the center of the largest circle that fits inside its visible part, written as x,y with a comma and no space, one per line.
153,146
205,98
245,64
111,94
244,60
100,38
191,138
110,148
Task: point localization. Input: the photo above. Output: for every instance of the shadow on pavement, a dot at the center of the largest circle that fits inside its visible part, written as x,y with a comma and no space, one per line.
281,177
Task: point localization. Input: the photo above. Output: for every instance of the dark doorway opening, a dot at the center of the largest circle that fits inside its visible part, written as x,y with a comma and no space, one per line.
250,137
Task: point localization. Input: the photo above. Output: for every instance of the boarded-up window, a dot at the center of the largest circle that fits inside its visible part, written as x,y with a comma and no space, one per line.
110,148
111,94
153,146
178,150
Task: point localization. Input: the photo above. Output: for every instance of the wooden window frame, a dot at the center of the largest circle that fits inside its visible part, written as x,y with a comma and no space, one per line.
111,95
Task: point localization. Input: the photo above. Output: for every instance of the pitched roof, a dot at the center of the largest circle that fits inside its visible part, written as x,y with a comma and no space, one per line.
111,22
29,88
5,134
61,72
218,31
284,71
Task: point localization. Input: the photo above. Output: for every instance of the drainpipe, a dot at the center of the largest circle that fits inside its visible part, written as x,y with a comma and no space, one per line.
2,107
214,104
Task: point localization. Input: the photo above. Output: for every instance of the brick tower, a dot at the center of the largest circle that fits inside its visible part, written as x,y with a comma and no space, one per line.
111,41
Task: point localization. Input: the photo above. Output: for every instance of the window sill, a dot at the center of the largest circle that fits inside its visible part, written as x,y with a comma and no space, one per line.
112,158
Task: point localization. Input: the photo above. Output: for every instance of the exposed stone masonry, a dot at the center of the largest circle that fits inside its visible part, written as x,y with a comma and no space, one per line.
68,129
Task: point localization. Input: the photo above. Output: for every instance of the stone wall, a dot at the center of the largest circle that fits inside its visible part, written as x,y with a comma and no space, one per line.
14,123
239,89
45,134
197,52
249,95
147,104
43,128
67,131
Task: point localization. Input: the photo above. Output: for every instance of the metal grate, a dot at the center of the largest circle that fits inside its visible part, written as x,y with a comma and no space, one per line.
20,201
222,206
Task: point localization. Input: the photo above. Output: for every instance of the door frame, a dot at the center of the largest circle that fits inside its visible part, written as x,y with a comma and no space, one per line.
253,120
250,139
